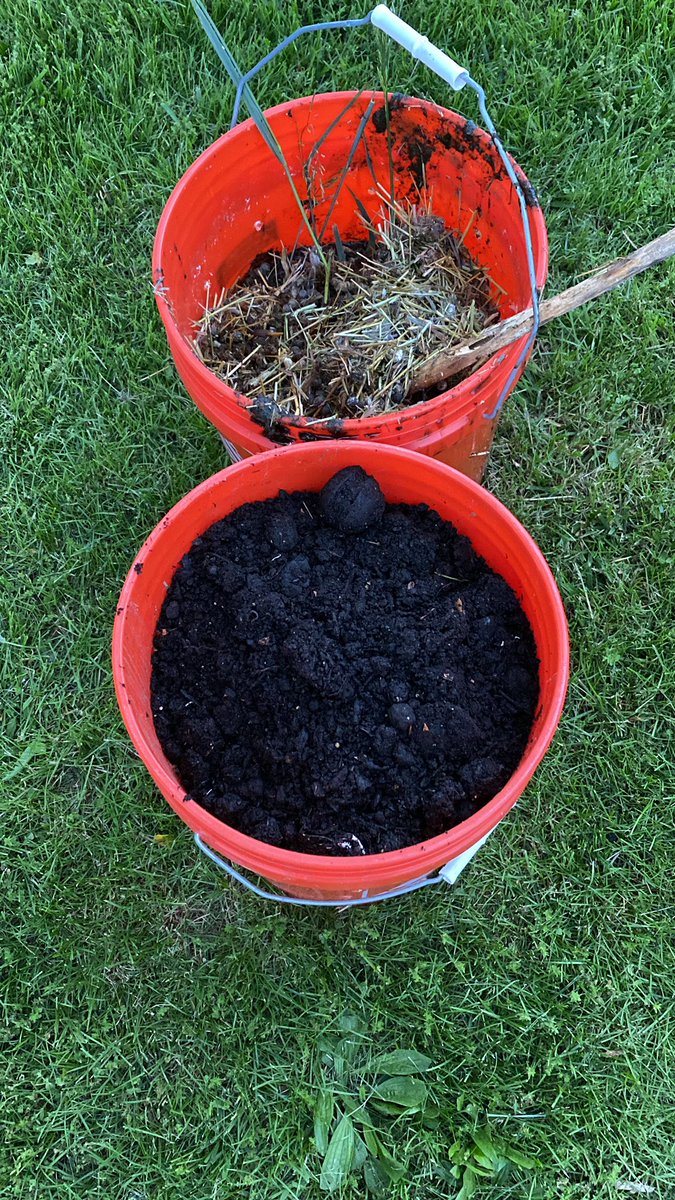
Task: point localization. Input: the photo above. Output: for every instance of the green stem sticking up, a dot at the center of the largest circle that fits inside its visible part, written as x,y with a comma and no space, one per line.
258,115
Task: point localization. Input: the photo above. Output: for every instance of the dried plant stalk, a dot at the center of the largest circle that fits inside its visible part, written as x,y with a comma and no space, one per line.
393,301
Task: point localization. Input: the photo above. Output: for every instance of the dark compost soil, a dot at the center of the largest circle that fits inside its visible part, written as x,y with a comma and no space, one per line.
339,676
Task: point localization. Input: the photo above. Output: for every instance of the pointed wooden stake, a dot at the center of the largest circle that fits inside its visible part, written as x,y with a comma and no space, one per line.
447,363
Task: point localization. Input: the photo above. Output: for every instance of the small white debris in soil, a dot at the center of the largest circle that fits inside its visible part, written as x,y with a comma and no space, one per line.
352,844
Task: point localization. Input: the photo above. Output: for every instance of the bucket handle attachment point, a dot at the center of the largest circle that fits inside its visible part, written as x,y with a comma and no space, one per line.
447,874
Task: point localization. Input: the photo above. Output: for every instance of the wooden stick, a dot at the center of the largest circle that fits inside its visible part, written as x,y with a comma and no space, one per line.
447,363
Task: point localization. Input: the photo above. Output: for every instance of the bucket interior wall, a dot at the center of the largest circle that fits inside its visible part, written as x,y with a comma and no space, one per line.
240,204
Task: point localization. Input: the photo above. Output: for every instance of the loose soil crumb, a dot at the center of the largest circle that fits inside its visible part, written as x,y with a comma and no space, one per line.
296,351
337,675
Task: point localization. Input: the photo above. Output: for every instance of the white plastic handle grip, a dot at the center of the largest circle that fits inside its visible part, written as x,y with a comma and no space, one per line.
420,47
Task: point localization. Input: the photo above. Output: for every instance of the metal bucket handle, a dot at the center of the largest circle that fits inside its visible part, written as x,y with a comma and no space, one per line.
447,874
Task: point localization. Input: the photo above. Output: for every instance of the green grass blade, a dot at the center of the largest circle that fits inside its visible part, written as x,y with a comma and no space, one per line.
339,1160
331,128
262,124
323,1119
236,75
400,1062
347,167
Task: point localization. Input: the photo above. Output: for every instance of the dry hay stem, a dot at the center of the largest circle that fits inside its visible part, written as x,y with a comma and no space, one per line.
394,301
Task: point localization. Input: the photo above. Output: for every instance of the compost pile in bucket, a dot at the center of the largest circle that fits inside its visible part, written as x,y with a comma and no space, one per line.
337,675
301,341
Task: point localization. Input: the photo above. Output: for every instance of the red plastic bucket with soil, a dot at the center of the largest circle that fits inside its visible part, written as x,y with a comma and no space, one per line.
234,204
404,478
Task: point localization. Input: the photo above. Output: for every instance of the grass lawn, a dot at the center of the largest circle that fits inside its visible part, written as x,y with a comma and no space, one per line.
162,1031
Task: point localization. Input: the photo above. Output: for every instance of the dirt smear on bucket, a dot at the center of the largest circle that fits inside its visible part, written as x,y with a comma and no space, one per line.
336,675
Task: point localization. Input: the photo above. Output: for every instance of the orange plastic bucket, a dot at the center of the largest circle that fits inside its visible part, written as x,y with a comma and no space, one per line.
405,477
234,203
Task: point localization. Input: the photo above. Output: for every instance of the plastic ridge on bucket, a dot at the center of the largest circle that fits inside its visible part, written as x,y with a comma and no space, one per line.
404,477
234,203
